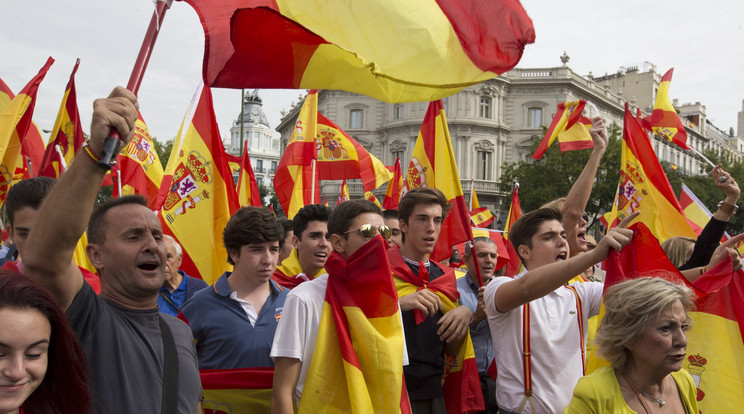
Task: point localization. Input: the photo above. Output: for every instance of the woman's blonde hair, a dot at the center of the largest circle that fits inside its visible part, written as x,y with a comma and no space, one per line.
629,307
678,249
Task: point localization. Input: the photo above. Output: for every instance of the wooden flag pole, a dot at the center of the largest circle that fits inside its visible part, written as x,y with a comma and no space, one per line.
112,142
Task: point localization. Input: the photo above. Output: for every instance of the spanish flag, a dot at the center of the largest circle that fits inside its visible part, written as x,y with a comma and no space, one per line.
197,196
715,344
235,163
385,49
247,186
514,266
644,186
480,216
67,133
394,188
344,196
369,196
15,120
357,364
664,120
240,390
433,165
577,136
140,169
564,119
460,380
296,183
32,146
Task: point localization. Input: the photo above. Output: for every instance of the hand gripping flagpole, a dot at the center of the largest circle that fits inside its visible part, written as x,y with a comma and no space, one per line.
112,142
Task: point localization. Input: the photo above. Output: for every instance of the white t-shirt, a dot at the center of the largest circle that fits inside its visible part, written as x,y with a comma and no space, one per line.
554,340
297,331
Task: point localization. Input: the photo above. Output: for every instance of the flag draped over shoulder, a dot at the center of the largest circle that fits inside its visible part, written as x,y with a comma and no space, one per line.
294,182
241,390
664,120
394,188
644,186
433,165
197,195
67,133
384,49
460,382
564,119
715,346
515,212
247,186
341,156
357,363
15,120
139,166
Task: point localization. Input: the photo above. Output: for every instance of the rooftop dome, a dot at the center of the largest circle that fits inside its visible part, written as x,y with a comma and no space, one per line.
252,110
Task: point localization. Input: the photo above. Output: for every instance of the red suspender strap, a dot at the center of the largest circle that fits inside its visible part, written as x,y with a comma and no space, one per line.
526,352
579,313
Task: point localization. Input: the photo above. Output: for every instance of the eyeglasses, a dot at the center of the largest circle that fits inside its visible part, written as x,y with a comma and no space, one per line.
369,231
585,217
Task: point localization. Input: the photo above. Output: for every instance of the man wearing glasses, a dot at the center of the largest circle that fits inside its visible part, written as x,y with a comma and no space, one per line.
352,225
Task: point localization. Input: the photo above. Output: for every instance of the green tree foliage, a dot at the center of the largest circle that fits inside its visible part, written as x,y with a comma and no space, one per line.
541,181
163,150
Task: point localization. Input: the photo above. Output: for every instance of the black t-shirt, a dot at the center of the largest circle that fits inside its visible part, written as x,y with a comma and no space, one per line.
425,351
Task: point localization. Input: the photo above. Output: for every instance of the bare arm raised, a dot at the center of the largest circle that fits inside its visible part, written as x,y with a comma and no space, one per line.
538,282
64,215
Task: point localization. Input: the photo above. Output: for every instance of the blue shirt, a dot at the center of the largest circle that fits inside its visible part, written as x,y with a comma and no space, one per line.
225,337
171,303
479,332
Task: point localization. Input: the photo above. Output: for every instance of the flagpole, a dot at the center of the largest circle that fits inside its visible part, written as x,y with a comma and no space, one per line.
472,188
112,142
703,157
312,186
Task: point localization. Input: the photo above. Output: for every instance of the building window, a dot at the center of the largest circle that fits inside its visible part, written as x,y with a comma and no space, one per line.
534,117
483,165
355,119
273,167
485,107
259,166
401,155
398,111
259,181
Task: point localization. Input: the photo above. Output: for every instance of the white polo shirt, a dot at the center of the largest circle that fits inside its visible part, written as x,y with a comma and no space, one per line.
555,345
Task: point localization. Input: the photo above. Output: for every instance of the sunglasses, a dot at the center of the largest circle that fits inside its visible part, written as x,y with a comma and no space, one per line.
585,217
369,231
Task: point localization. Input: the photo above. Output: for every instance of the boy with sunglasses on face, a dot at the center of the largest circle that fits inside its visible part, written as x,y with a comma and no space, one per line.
313,313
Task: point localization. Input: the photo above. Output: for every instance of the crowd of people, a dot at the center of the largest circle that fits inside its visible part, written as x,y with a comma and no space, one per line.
133,337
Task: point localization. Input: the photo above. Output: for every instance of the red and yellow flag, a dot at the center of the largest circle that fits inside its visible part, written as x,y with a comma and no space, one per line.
514,266
67,133
715,344
433,165
15,120
369,196
577,136
197,195
664,120
296,183
567,115
32,147
387,53
357,364
247,186
235,162
479,216
644,186
344,196
394,188
139,166
241,390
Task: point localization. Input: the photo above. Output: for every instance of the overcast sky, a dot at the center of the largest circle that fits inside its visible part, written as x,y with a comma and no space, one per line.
701,40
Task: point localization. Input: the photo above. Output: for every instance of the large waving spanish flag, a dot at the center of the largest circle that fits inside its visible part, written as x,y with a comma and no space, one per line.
67,133
433,165
644,186
715,344
385,49
514,266
565,118
197,195
247,185
357,364
460,380
394,188
15,120
139,166
296,183
664,120
32,145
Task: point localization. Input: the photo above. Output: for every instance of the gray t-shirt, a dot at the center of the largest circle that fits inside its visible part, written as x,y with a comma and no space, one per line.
125,353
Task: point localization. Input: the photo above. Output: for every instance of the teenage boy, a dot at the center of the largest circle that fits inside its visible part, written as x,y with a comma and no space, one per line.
311,247
234,322
552,316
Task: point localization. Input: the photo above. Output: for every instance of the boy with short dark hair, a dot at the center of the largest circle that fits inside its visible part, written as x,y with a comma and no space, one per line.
311,247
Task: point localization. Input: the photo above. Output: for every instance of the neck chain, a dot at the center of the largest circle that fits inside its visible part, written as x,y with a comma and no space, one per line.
659,400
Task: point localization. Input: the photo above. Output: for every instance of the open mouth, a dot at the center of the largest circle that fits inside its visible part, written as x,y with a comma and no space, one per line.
582,237
561,256
321,255
148,266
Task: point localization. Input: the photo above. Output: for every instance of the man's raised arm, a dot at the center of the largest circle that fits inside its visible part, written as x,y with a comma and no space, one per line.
64,215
